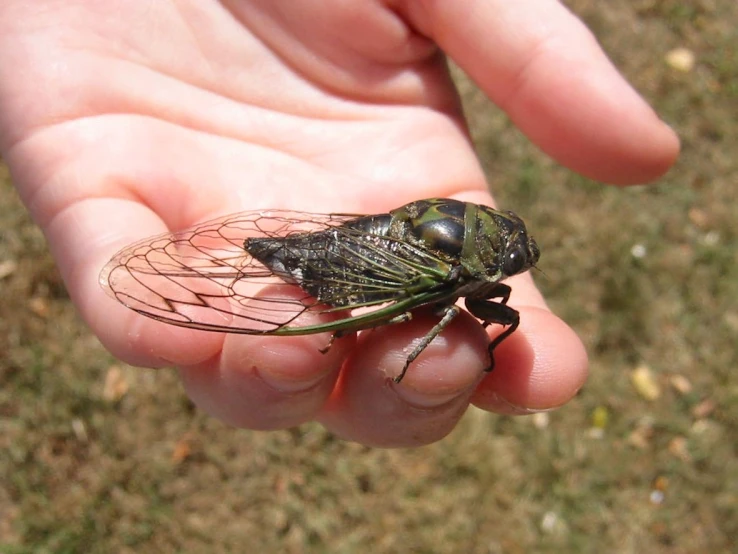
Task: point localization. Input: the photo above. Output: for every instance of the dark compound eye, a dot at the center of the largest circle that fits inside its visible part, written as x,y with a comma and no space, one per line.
515,261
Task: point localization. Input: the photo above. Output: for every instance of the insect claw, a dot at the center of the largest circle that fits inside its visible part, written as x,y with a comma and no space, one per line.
496,342
399,377
327,347
402,318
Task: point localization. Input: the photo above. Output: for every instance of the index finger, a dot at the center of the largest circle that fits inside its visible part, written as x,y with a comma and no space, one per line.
540,64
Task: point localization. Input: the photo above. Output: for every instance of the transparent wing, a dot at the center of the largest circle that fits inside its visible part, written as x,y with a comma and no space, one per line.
203,277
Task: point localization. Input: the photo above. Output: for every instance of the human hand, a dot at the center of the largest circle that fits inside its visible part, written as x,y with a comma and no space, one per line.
121,125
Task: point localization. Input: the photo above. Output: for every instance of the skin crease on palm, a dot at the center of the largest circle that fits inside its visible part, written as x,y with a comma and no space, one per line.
120,120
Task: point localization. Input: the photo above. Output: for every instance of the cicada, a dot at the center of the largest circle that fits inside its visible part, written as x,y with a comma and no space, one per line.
259,272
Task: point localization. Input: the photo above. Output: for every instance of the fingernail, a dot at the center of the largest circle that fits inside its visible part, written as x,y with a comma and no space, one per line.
502,405
422,399
290,382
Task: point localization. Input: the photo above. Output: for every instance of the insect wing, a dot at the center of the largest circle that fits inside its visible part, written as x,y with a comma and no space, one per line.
203,278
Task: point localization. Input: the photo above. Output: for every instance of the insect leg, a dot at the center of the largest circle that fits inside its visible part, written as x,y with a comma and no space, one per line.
449,313
502,292
495,312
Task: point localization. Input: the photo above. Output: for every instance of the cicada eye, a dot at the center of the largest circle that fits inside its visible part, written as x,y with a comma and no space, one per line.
515,261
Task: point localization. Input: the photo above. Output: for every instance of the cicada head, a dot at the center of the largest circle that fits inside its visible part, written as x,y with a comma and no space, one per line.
498,245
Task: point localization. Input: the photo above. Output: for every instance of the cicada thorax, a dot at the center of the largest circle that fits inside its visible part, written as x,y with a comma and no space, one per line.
465,234
487,244
435,224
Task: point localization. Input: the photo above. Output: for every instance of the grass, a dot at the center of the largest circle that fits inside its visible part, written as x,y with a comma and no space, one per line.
648,276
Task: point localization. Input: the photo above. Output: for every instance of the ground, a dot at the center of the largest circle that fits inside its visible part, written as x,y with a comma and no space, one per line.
96,456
